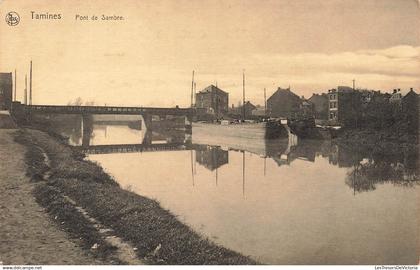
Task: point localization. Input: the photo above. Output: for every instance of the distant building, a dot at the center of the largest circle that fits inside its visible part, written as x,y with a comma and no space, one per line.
396,97
249,107
306,109
237,112
283,103
344,106
213,100
410,107
259,111
6,89
320,105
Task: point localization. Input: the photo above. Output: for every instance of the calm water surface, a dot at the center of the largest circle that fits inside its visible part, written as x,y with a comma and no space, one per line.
285,202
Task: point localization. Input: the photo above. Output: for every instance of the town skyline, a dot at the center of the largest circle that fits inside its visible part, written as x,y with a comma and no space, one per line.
147,59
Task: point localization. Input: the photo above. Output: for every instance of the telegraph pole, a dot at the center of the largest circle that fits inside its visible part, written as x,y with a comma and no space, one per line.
30,84
265,103
26,90
14,96
195,93
243,95
355,110
192,89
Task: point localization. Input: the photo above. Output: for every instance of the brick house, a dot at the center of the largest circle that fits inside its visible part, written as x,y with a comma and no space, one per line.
344,106
213,101
320,105
283,103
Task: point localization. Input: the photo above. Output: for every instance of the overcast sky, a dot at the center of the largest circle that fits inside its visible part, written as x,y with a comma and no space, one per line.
147,59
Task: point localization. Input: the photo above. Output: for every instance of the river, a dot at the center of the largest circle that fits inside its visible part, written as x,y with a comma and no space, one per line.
300,202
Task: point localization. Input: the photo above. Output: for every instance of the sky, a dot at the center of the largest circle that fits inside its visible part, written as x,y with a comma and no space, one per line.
147,59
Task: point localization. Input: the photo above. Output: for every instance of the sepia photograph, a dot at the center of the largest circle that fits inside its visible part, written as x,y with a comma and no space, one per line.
209,132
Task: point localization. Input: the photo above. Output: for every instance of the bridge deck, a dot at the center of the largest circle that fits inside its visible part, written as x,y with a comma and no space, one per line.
107,110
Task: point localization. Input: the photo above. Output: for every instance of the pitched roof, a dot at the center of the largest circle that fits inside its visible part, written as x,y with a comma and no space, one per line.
212,88
286,91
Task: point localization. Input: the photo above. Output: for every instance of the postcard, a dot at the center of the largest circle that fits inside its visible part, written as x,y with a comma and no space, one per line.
236,132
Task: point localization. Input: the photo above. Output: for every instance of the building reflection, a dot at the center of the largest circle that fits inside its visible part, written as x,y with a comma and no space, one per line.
367,168
211,157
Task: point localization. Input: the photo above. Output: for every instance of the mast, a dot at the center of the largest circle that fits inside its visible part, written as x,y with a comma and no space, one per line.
243,95
216,175
243,173
30,84
192,167
25,98
265,165
192,89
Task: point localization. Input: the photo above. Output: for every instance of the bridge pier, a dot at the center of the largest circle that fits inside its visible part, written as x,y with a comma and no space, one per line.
148,121
188,127
148,136
87,129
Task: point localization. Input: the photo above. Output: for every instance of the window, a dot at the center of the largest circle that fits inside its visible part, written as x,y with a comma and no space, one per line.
1,92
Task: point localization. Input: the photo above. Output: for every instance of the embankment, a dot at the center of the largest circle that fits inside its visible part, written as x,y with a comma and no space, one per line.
157,235
379,142
27,234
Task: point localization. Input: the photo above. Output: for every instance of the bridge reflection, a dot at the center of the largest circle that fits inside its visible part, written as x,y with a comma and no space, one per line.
130,148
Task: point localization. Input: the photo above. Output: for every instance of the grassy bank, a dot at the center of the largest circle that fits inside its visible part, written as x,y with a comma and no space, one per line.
156,233
379,142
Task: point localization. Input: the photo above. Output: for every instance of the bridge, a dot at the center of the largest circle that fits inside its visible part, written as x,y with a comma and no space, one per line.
130,148
108,110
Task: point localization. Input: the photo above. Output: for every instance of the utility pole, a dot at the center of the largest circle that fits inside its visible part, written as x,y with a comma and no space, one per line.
195,93
30,84
265,103
192,89
243,95
14,96
355,96
26,90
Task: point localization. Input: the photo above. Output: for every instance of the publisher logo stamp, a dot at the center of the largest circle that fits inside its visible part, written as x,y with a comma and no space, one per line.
12,18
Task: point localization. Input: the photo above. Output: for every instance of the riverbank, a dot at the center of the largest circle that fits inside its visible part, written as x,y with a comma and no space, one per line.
28,235
156,235
379,142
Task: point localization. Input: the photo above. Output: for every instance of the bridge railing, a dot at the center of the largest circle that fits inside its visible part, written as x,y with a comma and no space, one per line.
107,109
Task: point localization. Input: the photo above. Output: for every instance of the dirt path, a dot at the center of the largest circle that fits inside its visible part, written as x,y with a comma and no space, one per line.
27,235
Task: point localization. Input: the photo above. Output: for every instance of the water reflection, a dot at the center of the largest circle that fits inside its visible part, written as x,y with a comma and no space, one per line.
127,133
285,201
211,157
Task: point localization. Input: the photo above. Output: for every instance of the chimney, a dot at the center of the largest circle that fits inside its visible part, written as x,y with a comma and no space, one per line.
399,89
395,91
411,88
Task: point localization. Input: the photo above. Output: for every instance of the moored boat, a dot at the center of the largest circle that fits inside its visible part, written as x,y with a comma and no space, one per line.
246,130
